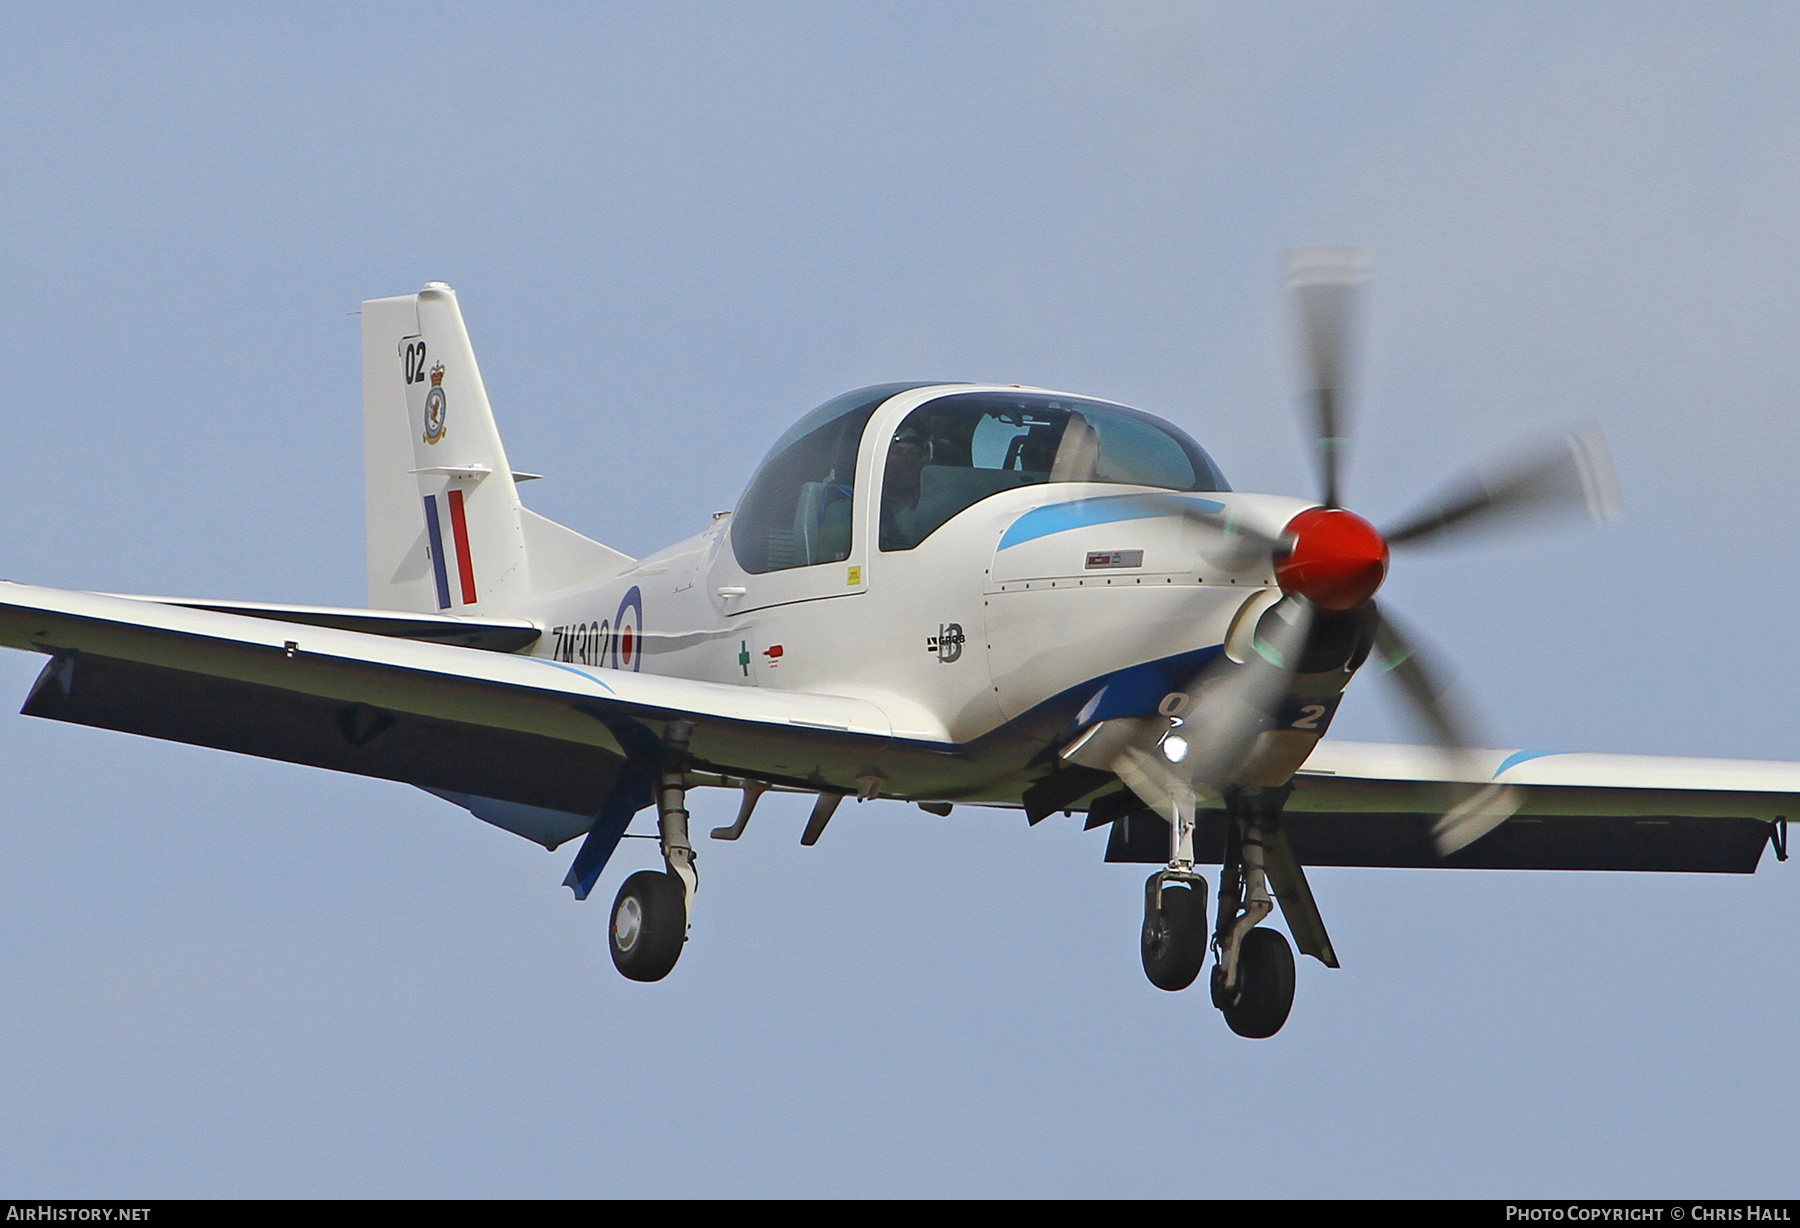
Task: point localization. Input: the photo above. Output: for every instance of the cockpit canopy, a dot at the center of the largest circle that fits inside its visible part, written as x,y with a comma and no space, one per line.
947,455
954,451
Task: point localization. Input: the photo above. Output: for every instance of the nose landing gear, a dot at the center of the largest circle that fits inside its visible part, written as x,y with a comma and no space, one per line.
1174,937
1173,943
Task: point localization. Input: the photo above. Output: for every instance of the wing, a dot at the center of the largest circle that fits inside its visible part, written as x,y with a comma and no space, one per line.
548,749
1366,804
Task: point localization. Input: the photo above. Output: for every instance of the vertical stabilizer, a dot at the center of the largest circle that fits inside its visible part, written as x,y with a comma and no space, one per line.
446,530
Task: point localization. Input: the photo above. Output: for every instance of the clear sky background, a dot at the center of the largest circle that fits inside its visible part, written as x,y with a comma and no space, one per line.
674,229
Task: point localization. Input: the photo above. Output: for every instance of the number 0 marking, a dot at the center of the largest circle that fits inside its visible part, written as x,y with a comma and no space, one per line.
1310,715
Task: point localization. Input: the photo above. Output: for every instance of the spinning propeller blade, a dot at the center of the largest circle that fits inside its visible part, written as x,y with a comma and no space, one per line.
1324,284
1427,693
1231,703
1565,475
1168,763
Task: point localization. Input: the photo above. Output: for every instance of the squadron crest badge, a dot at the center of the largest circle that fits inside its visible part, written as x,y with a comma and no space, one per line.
434,406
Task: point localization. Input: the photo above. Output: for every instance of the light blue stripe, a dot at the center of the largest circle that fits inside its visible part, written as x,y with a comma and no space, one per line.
582,672
1109,509
1520,756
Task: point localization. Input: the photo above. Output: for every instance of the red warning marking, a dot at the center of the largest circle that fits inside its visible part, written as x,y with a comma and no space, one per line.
459,529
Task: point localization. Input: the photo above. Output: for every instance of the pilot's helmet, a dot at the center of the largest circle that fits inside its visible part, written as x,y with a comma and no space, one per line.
912,439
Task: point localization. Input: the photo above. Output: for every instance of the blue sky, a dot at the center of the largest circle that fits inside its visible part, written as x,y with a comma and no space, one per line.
674,229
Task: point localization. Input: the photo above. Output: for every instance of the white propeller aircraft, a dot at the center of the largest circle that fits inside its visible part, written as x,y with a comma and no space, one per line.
947,594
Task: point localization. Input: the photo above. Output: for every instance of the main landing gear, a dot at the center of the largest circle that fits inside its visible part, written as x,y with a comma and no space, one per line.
649,925
651,913
1253,976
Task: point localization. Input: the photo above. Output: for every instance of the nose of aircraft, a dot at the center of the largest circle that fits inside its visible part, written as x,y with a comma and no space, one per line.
1337,559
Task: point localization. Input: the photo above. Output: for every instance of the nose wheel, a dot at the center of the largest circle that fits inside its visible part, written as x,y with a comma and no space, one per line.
1174,935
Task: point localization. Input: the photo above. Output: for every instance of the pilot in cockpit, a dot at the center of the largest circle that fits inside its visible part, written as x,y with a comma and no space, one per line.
907,457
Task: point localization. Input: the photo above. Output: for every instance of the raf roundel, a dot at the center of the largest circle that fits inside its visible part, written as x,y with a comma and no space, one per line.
628,632
434,406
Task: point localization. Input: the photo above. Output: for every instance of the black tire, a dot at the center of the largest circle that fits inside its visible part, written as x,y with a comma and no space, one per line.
1174,938
649,925
1265,986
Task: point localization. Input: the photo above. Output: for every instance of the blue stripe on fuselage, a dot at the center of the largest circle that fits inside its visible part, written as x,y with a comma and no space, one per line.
1138,690
1108,509
1521,756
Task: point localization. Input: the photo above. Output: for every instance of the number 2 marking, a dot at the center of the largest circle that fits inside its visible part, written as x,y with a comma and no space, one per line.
413,362
1310,716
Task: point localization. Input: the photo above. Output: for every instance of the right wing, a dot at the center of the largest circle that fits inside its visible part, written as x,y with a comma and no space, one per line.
568,743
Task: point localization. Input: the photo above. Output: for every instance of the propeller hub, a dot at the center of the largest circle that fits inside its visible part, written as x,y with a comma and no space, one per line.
1336,559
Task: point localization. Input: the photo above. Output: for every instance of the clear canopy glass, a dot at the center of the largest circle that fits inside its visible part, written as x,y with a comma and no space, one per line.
954,451
949,454
796,511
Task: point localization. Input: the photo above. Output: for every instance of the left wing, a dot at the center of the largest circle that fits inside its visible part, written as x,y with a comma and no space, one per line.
1367,804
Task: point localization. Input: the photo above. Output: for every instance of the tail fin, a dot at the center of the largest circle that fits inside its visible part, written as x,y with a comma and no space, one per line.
446,529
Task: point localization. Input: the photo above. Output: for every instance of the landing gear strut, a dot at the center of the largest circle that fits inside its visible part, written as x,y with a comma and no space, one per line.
1253,980
1174,936
653,909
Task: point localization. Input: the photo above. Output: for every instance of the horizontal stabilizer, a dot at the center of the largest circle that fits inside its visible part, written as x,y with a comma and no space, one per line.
561,557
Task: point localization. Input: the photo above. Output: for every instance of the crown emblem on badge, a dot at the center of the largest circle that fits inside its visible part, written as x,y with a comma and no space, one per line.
437,375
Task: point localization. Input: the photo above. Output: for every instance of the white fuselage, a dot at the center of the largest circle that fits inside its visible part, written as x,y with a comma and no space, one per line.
1019,599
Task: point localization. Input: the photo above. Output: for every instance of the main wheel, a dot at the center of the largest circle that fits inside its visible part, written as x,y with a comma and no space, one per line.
649,925
1264,994
1174,938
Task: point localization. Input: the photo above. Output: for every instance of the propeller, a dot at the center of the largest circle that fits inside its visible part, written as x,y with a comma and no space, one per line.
1328,559
1323,283
1229,705
1452,725
1567,474
1338,560
1168,763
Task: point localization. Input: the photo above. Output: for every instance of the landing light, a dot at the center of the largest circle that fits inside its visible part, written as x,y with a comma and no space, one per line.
1174,748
